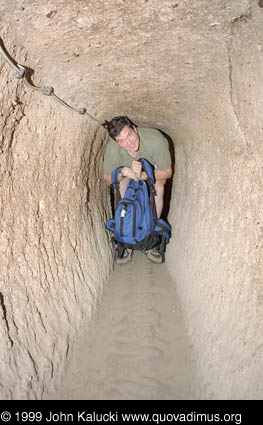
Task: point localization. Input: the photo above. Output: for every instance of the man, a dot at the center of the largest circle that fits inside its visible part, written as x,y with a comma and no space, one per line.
126,145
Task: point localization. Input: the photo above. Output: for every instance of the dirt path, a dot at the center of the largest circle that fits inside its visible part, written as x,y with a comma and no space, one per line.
136,347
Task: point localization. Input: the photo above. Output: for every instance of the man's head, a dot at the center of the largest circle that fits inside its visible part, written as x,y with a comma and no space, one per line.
124,132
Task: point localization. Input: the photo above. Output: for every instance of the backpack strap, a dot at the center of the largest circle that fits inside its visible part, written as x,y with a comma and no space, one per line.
146,166
116,183
149,170
114,177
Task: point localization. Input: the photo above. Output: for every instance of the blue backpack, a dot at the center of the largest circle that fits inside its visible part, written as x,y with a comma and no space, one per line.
135,224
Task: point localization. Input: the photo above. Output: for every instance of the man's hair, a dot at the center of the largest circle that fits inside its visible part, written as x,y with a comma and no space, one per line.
116,125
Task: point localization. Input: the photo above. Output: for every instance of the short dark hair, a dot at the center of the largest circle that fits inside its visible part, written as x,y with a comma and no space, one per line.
116,125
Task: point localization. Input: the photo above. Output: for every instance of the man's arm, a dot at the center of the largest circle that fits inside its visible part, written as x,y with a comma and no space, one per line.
163,174
107,178
159,174
125,171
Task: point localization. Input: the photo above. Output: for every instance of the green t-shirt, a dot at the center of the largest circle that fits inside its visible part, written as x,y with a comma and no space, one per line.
153,147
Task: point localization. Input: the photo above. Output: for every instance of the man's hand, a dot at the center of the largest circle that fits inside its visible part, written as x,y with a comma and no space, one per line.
137,169
128,172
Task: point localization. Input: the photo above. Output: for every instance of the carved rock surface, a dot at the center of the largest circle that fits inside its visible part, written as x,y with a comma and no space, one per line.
191,69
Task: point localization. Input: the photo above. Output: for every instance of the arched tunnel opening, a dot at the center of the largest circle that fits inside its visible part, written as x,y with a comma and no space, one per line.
194,71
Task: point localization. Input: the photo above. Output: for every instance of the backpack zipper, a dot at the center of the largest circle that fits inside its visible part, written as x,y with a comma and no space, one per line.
133,223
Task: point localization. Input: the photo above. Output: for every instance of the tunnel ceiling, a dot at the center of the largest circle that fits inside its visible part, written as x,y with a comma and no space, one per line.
135,57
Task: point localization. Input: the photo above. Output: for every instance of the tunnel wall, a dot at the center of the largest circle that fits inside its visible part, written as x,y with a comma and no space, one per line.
54,251
216,252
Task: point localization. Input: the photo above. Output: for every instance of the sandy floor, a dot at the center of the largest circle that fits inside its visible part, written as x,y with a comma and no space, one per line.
135,347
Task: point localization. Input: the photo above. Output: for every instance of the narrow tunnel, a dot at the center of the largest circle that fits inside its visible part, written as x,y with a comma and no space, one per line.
193,70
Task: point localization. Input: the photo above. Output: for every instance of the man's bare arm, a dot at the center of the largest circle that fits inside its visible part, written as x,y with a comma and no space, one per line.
107,178
163,174
126,172
159,174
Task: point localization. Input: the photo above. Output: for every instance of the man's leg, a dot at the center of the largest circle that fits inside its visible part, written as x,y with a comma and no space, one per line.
153,254
127,256
123,186
159,187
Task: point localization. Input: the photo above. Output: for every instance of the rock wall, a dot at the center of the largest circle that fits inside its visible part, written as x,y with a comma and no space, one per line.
216,253
54,251
192,69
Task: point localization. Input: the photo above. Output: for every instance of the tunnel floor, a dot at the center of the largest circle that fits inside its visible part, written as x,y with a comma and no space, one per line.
136,347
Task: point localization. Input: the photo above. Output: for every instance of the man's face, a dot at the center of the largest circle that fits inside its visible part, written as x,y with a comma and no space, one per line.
128,139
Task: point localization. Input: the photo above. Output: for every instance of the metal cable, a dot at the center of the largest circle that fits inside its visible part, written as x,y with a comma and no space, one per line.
21,72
